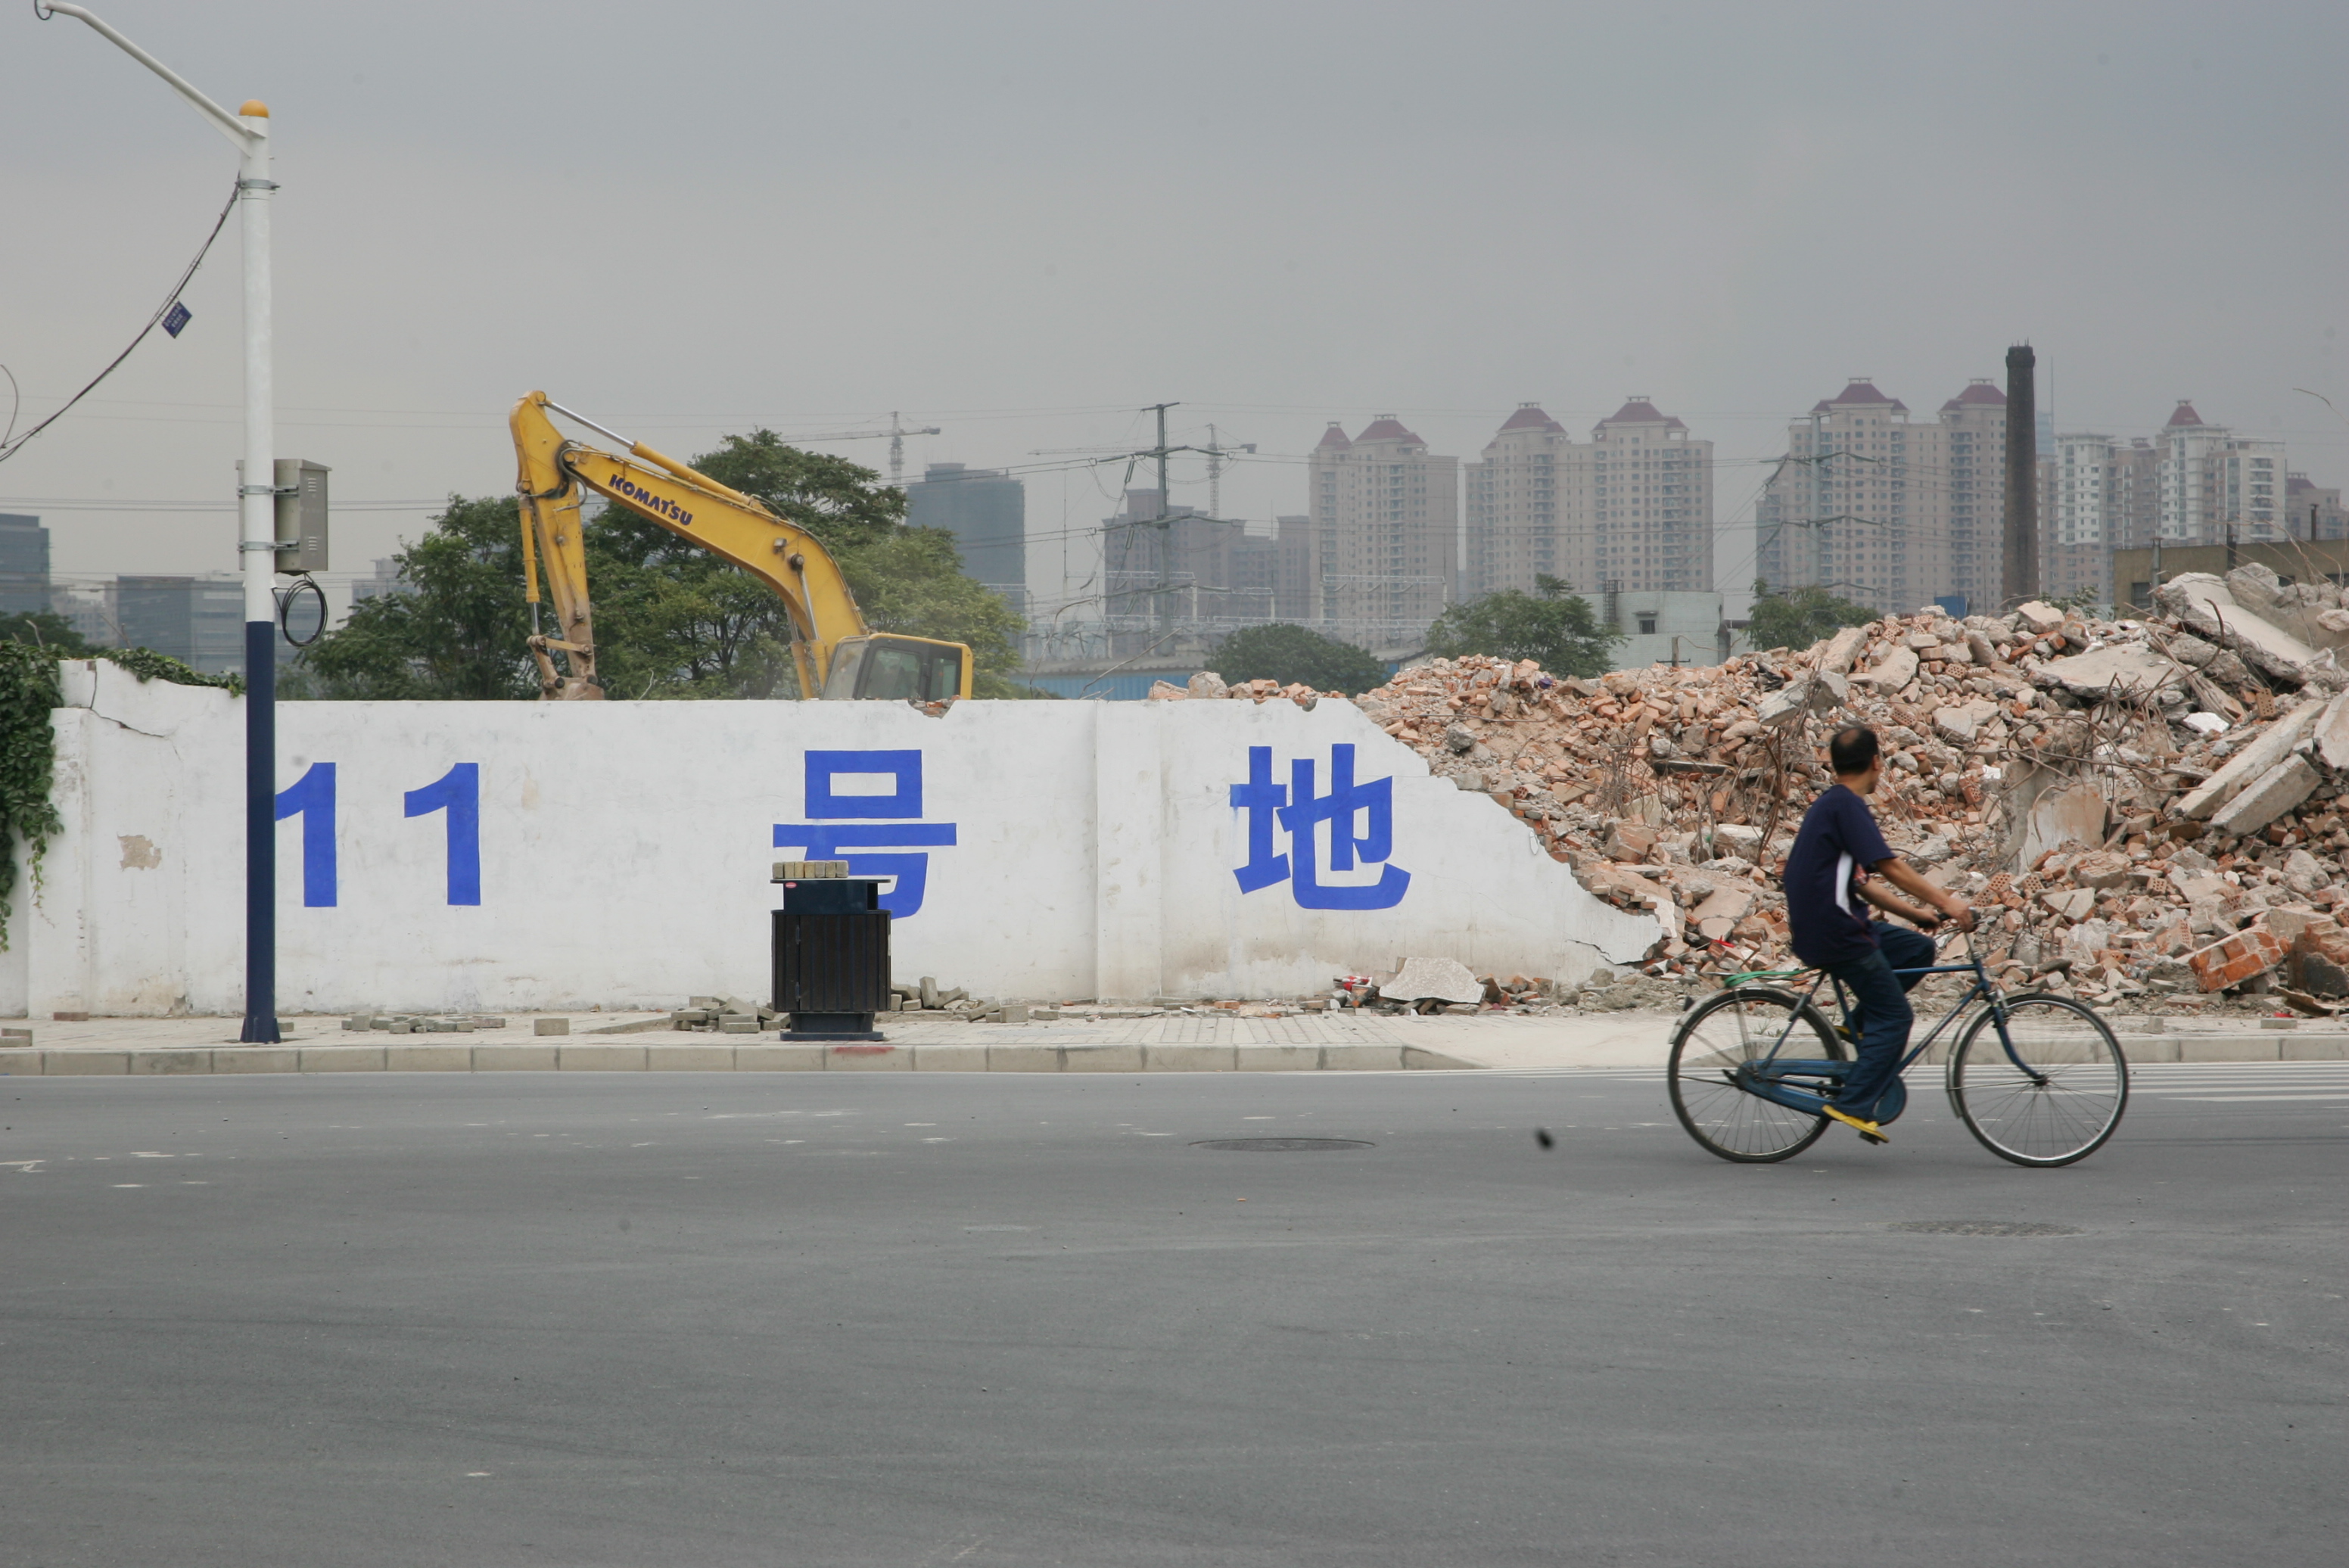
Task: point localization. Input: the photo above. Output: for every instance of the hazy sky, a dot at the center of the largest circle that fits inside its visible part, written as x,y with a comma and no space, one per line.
1020,222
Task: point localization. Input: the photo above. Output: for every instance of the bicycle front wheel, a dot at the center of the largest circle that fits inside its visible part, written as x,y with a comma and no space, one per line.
2055,1097
1721,1035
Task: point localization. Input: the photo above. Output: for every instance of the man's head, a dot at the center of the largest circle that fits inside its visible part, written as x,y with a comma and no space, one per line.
1854,756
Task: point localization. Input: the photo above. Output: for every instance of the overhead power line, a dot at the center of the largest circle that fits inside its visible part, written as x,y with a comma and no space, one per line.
10,447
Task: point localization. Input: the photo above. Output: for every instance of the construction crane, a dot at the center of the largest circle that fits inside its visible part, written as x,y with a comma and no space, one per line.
897,432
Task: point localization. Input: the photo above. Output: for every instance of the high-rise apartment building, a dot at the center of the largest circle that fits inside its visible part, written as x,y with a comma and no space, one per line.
1382,549
986,510
2214,480
1528,508
2192,483
1886,512
1650,504
2096,494
24,565
1632,506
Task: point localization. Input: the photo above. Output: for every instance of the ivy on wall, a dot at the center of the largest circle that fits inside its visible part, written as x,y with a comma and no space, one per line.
28,751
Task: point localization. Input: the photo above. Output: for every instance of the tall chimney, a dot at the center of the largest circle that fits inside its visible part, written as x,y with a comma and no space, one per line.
2019,564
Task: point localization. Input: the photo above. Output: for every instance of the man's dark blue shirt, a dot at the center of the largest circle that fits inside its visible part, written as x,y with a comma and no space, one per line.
1839,840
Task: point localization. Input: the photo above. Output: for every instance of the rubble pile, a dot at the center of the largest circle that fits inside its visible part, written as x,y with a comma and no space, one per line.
2141,809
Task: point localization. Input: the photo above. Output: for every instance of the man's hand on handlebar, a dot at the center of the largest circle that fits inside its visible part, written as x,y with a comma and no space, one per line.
1959,918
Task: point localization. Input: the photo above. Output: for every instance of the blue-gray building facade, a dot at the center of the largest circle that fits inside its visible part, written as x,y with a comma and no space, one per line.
986,510
24,565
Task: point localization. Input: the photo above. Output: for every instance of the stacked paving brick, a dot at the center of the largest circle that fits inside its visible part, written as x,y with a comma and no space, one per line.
2142,808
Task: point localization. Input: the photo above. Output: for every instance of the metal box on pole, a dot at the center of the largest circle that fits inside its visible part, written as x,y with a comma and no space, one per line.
301,512
301,515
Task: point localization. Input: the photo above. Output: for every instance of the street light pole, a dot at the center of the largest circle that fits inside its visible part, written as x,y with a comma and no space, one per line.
257,540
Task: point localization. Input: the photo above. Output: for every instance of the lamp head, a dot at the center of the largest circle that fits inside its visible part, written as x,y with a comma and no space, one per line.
253,108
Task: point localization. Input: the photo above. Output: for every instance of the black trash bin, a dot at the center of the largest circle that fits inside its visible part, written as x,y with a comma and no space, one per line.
831,954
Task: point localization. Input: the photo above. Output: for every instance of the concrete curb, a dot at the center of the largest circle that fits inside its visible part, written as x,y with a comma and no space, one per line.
752,1056
2278,1046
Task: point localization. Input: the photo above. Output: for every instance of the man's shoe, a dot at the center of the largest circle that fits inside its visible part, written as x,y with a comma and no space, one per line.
1866,1130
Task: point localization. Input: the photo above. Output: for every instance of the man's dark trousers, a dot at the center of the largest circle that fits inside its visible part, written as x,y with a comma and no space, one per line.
1880,1011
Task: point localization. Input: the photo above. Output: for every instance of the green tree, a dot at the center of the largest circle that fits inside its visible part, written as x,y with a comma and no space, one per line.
45,629
1554,627
1297,655
905,580
457,631
1798,617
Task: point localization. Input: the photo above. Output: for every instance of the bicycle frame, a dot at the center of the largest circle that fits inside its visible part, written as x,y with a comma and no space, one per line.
1782,1082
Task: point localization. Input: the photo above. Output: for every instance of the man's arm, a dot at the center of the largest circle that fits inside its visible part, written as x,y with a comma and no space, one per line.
1901,874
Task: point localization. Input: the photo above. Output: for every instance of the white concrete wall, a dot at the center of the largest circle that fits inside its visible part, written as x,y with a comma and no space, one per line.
625,848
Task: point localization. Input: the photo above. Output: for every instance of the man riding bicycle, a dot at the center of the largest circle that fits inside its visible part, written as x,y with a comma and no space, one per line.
1840,858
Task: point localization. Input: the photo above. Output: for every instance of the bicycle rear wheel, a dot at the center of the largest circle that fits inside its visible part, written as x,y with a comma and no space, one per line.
2056,1098
1721,1035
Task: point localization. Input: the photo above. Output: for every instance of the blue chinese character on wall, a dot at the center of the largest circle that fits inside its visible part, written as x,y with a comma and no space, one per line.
1359,819
848,826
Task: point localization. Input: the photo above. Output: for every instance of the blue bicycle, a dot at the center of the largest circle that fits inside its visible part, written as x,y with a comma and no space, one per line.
2038,1078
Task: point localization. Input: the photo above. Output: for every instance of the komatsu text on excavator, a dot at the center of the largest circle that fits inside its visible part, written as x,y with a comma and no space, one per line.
836,654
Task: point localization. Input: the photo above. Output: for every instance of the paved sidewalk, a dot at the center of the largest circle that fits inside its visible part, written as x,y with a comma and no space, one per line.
1168,1042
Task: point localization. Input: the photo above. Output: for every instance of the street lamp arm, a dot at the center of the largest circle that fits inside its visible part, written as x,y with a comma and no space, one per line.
236,130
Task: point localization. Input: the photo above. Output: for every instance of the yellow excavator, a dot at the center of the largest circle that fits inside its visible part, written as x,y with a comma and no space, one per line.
836,653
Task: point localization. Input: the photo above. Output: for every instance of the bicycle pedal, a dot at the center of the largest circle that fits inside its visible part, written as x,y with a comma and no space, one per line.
1866,1128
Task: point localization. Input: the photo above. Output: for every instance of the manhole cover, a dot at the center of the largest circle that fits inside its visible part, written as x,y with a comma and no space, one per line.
1281,1145
1986,1228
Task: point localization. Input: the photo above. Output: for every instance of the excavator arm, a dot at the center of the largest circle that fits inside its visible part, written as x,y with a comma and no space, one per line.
836,654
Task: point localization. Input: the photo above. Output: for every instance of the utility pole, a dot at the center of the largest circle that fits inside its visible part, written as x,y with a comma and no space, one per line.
257,541
1165,521
1818,499
1216,452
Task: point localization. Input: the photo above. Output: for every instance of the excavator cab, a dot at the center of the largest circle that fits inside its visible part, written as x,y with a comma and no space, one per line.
888,668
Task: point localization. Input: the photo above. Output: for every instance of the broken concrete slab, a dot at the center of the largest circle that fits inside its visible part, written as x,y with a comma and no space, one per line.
1785,705
2209,606
2267,797
2040,618
1957,723
2100,869
1737,839
2331,729
2130,667
1843,648
2072,903
2272,746
1730,904
1432,979
2059,817
1892,673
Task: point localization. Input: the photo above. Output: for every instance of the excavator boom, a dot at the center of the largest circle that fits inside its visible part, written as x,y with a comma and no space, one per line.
836,654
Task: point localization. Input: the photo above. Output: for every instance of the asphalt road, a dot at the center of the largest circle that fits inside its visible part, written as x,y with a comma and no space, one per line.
947,1319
